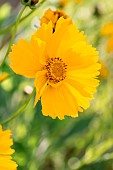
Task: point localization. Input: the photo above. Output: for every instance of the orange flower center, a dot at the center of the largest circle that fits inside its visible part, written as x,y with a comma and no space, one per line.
56,70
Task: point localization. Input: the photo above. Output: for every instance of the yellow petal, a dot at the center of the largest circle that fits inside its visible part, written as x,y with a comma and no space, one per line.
80,99
77,58
5,142
39,48
44,32
59,35
87,53
63,23
53,16
40,84
6,163
67,38
57,102
87,72
5,151
25,58
80,87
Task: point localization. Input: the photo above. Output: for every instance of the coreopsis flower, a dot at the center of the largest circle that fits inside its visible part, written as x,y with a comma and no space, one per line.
6,162
104,72
64,66
53,16
107,30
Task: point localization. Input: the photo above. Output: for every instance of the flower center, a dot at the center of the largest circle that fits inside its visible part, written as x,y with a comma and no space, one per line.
56,70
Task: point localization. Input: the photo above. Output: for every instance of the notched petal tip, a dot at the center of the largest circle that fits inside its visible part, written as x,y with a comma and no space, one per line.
63,22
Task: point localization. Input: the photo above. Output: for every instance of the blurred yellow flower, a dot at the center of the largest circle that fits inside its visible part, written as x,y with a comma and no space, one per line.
63,3
5,151
104,72
64,66
53,16
78,0
3,76
107,30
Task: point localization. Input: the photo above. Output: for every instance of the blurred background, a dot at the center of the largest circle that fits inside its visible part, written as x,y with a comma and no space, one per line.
41,143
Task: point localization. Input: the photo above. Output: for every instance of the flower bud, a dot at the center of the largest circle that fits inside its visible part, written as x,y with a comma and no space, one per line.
30,3
34,2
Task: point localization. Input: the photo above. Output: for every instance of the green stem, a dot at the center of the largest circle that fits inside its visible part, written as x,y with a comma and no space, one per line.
17,113
7,28
13,34
22,19
10,26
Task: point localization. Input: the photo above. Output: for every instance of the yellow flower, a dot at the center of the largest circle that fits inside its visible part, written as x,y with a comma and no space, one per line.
78,0
107,30
63,3
5,151
53,16
64,66
110,44
3,76
104,72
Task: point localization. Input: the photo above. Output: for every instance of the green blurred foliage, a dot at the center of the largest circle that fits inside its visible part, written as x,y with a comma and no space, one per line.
41,143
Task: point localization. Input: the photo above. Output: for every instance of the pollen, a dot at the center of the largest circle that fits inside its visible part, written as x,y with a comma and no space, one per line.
56,70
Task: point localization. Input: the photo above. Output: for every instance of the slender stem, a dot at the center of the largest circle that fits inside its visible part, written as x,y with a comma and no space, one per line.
22,19
10,26
13,34
7,28
19,111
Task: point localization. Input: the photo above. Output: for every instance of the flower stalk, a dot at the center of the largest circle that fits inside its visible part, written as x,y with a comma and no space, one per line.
20,110
13,34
